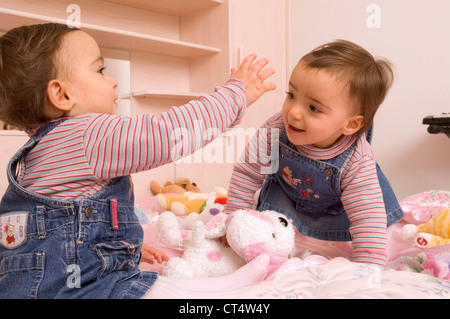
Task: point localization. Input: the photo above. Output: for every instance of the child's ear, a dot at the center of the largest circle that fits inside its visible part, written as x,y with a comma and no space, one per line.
354,124
58,96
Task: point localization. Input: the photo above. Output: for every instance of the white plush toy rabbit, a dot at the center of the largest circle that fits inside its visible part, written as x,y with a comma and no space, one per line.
248,234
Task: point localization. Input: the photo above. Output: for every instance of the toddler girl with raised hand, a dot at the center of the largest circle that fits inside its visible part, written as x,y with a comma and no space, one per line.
70,198
322,172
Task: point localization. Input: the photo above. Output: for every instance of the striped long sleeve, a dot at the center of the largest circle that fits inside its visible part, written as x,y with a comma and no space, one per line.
363,201
250,171
80,155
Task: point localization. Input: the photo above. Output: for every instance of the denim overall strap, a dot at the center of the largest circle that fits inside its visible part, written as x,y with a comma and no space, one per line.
29,145
88,248
308,191
12,168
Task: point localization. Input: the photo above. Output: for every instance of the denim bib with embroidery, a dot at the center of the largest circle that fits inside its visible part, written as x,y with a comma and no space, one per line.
309,192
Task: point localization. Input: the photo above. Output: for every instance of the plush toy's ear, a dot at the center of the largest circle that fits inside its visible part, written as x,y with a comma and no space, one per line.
438,225
155,188
168,230
217,226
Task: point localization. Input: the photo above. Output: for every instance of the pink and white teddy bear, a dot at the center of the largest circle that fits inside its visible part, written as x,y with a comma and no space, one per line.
248,233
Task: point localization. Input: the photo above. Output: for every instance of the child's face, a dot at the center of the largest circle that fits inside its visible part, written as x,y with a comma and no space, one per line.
317,109
91,90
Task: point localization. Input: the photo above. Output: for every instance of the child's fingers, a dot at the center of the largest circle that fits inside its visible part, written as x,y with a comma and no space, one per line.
148,258
150,254
259,65
247,62
264,74
161,257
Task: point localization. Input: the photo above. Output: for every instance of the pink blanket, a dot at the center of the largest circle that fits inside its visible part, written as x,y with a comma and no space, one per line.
320,269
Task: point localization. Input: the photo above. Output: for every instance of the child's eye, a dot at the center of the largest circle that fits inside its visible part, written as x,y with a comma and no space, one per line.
102,70
290,95
314,109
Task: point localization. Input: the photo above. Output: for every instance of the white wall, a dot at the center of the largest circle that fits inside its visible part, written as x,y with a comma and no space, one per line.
415,36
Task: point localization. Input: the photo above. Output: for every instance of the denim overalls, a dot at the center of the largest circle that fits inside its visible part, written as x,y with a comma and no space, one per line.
309,192
88,248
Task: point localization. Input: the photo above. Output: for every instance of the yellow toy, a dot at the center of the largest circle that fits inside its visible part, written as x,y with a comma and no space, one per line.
435,232
188,202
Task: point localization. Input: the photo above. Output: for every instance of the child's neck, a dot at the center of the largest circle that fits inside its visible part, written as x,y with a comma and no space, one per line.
341,144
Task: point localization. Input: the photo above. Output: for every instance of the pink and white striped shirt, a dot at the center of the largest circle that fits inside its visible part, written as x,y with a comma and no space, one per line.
78,157
361,193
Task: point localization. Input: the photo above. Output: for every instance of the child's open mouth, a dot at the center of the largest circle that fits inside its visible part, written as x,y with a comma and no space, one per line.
295,129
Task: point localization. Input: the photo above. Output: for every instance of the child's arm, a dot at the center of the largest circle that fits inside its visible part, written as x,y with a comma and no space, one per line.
257,160
122,146
363,201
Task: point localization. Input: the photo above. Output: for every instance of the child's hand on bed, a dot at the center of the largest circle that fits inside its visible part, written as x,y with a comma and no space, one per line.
150,254
254,75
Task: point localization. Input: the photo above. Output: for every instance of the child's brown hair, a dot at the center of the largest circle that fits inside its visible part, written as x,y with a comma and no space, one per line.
369,79
27,64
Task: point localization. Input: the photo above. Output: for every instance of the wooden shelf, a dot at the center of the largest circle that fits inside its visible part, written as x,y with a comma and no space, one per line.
162,95
167,95
114,38
171,7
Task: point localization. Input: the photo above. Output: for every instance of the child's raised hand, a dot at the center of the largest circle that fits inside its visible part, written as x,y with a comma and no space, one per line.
254,74
150,254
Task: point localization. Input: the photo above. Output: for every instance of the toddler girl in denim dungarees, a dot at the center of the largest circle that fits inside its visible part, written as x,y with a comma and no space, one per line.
67,222
322,173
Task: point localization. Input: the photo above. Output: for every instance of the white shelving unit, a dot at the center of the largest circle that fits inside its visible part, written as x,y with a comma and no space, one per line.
115,38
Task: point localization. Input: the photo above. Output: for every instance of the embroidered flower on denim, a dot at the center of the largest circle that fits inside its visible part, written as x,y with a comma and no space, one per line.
289,178
308,193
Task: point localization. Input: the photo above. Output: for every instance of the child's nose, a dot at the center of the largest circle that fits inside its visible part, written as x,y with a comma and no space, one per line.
113,81
296,112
